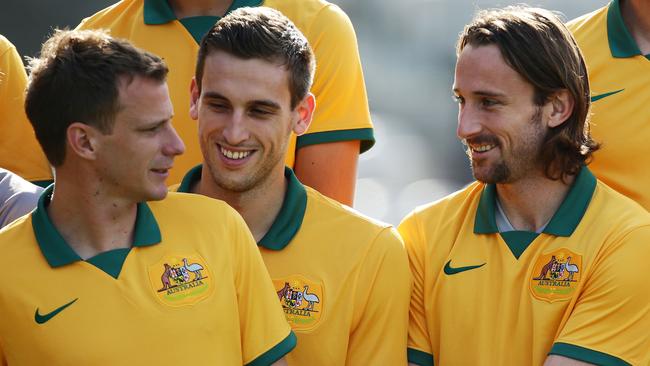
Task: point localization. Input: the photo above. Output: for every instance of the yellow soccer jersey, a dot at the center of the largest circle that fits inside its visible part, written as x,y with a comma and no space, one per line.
618,74
342,279
578,289
342,113
19,150
191,290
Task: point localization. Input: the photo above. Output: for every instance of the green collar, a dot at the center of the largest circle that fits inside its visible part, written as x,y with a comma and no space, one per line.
564,221
621,43
159,11
288,221
191,177
56,250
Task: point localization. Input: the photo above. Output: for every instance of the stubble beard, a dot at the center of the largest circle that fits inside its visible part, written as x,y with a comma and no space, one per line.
525,156
255,179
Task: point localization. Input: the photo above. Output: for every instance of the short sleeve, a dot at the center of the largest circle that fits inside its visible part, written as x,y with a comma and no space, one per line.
19,149
342,112
265,334
419,343
611,320
379,336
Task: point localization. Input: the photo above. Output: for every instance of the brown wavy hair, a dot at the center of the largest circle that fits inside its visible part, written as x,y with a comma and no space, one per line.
536,44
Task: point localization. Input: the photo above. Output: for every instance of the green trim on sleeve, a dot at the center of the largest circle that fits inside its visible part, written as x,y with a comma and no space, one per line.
365,135
275,353
586,355
419,357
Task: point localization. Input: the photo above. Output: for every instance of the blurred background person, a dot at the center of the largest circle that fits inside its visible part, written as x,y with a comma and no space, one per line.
17,197
19,150
615,40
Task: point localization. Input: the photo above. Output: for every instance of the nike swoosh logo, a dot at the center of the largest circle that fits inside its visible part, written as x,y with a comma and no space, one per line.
40,319
449,270
598,97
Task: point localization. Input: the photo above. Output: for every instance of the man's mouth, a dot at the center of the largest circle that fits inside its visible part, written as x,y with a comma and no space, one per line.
482,148
234,155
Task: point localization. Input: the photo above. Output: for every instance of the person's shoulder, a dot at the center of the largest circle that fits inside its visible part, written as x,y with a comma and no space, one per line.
14,236
452,207
617,210
103,18
310,14
581,22
5,44
325,207
194,209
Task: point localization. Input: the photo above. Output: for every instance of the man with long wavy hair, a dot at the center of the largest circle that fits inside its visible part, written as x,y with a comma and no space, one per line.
537,262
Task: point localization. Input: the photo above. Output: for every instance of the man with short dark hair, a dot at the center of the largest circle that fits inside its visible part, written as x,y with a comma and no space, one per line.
109,269
537,262
341,278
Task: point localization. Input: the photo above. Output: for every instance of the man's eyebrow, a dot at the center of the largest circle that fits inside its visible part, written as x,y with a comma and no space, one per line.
266,103
214,95
482,93
155,123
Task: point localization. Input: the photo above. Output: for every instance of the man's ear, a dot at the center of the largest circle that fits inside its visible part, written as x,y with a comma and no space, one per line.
304,112
561,106
194,99
82,140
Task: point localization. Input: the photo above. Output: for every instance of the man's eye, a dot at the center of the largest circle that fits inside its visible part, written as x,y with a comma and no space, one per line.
489,102
261,112
218,106
458,99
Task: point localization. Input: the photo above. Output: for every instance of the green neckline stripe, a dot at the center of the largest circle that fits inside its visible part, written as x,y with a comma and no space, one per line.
365,135
419,357
275,353
586,355
621,42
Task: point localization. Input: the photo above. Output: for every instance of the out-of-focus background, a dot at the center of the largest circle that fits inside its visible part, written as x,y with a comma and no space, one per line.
408,56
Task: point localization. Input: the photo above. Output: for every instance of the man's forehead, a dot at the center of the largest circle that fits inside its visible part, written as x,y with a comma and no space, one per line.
230,77
482,70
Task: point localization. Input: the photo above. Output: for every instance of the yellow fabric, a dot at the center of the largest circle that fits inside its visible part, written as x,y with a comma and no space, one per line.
19,150
338,83
621,122
363,271
491,315
121,321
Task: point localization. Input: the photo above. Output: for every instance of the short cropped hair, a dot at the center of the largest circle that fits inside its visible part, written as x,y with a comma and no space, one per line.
537,45
263,33
76,78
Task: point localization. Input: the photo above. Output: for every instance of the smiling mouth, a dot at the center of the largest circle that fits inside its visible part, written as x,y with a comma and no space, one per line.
235,155
482,148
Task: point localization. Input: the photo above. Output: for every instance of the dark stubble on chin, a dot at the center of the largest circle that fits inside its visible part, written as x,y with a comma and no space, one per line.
502,173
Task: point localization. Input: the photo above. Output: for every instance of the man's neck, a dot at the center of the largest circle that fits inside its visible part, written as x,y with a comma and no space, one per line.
530,203
192,8
259,206
89,221
636,15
